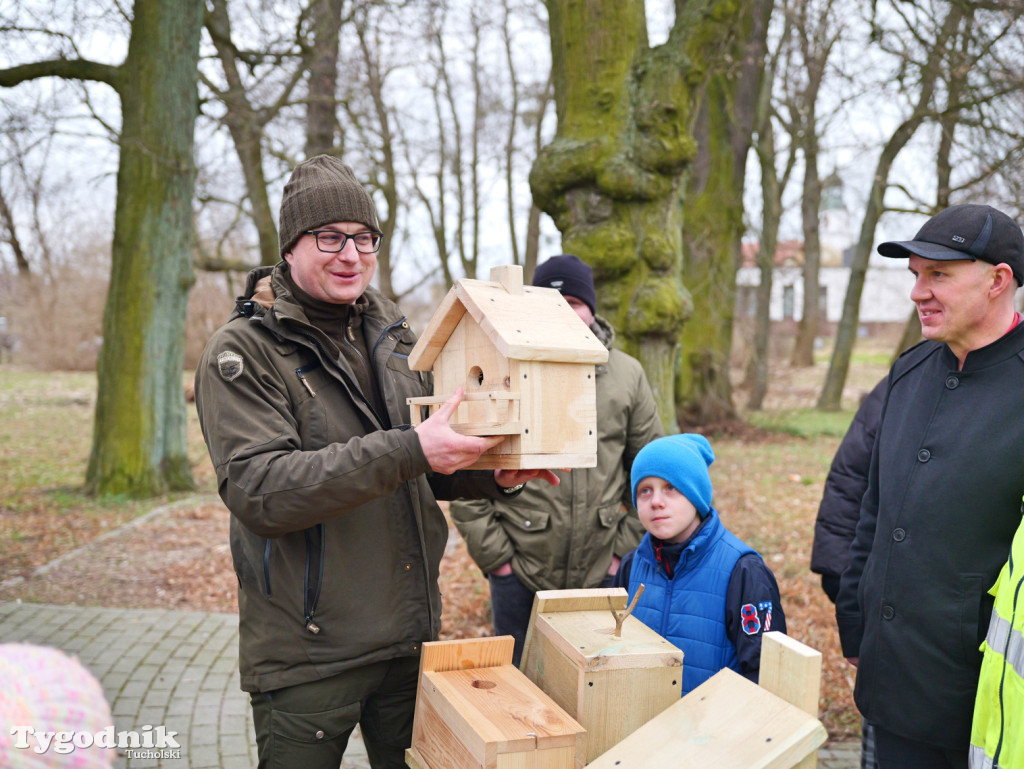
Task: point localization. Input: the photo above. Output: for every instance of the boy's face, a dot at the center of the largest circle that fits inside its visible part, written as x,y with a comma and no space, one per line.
665,511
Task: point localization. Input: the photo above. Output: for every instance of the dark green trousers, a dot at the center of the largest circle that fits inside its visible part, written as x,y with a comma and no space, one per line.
307,726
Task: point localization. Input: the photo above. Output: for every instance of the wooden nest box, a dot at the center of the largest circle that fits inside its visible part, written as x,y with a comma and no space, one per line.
526,363
622,682
475,710
729,722
611,682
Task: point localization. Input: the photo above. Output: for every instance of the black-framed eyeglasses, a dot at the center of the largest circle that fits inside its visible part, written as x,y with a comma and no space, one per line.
332,241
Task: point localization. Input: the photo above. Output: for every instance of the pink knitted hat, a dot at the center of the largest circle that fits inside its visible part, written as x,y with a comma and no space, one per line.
49,691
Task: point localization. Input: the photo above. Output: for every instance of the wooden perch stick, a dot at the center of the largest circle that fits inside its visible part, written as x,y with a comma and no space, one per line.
620,617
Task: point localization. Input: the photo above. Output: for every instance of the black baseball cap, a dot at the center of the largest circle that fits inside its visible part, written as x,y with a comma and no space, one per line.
968,231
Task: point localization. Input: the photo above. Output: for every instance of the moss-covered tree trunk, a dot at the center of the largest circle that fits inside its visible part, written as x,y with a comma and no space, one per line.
139,443
728,38
612,178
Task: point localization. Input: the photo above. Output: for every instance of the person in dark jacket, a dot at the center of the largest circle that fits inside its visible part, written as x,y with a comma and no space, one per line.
839,511
944,491
845,484
706,591
336,534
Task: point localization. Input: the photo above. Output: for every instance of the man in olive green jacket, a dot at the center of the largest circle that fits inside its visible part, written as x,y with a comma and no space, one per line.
335,532
571,535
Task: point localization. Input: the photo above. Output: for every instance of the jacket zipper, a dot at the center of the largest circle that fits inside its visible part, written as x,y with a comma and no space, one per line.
410,488
266,566
401,322
301,374
309,607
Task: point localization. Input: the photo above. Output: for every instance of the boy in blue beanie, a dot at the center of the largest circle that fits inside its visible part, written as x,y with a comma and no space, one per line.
704,590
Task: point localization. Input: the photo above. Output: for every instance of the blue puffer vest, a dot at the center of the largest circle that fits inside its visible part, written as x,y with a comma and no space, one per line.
689,609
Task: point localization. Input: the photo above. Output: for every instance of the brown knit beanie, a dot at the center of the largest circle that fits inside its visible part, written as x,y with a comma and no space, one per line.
322,190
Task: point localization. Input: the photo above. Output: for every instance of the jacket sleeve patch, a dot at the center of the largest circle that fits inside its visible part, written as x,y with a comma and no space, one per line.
756,617
752,615
230,365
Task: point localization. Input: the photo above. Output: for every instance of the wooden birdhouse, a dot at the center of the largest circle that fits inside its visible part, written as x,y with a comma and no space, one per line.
608,670
729,722
475,710
526,363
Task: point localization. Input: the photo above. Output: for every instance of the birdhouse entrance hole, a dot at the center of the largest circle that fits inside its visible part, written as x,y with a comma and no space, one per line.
476,377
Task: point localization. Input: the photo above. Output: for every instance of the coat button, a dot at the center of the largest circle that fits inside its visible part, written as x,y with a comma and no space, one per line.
924,455
952,382
899,535
888,612
528,524
320,734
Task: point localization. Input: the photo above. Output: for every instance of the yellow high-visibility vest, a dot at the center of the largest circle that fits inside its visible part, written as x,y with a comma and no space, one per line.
997,735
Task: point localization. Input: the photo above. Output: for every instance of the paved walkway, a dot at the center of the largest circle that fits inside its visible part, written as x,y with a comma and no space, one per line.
180,670
171,668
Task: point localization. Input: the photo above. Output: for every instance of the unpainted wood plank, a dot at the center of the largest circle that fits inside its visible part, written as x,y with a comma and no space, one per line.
589,636
413,760
571,600
792,670
614,703
582,599
501,707
558,407
517,461
510,276
553,673
536,325
466,653
443,742
444,320
728,723
551,758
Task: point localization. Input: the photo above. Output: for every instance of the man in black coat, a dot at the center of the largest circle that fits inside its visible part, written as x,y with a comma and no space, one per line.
944,492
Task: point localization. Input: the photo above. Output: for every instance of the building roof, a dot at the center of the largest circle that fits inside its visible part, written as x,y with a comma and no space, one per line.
788,253
523,322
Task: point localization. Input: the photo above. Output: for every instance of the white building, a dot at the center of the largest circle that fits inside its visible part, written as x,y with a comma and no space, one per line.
885,298
886,295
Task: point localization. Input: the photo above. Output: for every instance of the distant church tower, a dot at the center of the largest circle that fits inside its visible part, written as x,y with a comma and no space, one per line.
836,229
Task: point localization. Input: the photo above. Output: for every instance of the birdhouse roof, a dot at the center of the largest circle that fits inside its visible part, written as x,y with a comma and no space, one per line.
523,322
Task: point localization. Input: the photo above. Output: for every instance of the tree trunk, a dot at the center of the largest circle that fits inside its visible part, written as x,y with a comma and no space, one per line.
321,122
7,223
139,444
730,41
532,249
771,215
911,335
816,35
612,178
810,205
384,172
246,128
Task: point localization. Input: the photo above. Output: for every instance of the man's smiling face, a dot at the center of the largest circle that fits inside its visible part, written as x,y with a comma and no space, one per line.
952,299
339,278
